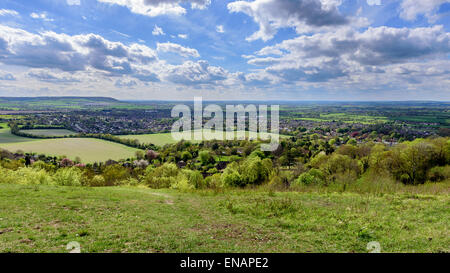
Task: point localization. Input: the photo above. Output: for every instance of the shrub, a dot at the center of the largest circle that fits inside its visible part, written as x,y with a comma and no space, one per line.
115,173
68,177
182,183
312,177
161,177
97,181
214,181
231,176
25,176
437,174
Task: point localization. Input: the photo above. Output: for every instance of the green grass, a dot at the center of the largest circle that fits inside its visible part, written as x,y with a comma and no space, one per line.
166,138
346,118
88,149
123,219
7,137
49,132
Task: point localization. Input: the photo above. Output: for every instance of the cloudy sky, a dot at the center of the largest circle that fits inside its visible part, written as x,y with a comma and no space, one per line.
253,49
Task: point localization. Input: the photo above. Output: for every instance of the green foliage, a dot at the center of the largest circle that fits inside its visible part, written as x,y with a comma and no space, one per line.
161,177
25,176
97,181
68,177
114,174
437,174
312,177
206,157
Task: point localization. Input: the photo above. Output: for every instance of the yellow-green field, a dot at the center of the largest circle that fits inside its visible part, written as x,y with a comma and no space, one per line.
49,132
88,149
163,139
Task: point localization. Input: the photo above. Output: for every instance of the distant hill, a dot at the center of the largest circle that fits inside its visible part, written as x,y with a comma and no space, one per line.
24,99
48,103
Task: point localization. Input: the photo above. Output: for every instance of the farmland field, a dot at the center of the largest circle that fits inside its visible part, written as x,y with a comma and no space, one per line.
166,138
7,137
49,132
88,149
125,219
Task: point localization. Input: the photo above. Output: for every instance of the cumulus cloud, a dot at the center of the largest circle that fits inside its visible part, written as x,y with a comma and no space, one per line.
71,53
56,58
7,76
304,15
196,73
10,12
154,8
183,36
176,48
331,55
410,9
125,83
157,31
46,76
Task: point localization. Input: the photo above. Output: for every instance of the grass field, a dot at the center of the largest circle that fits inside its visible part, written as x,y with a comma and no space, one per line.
49,132
125,219
346,118
166,138
6,137
88,149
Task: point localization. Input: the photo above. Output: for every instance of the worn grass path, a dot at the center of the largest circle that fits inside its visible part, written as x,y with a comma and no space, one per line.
126,219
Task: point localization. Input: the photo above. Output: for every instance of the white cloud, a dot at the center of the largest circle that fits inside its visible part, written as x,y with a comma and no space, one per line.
71,53
183,36
154,8
54,58
303,15
47,76
73,2
4,76
157,31
325,56
176,48
4,12
196,73
410,9
374,2
41,16
220,29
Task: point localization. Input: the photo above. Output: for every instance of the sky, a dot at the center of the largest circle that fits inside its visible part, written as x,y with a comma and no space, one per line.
358,50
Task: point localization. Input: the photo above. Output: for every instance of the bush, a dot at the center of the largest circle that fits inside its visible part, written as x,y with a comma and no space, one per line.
68,177
25,176
97,181
231,176
182,183
115,173
214,181
161,177
312,177
437,174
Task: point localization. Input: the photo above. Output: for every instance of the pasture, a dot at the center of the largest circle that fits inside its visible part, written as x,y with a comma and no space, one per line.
166,138
49,132
6,137
88,149
38,218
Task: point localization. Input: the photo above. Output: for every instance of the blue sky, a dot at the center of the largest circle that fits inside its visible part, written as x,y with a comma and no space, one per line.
255,49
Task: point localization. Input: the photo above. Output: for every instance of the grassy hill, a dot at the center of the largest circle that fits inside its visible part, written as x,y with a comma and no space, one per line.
126,219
